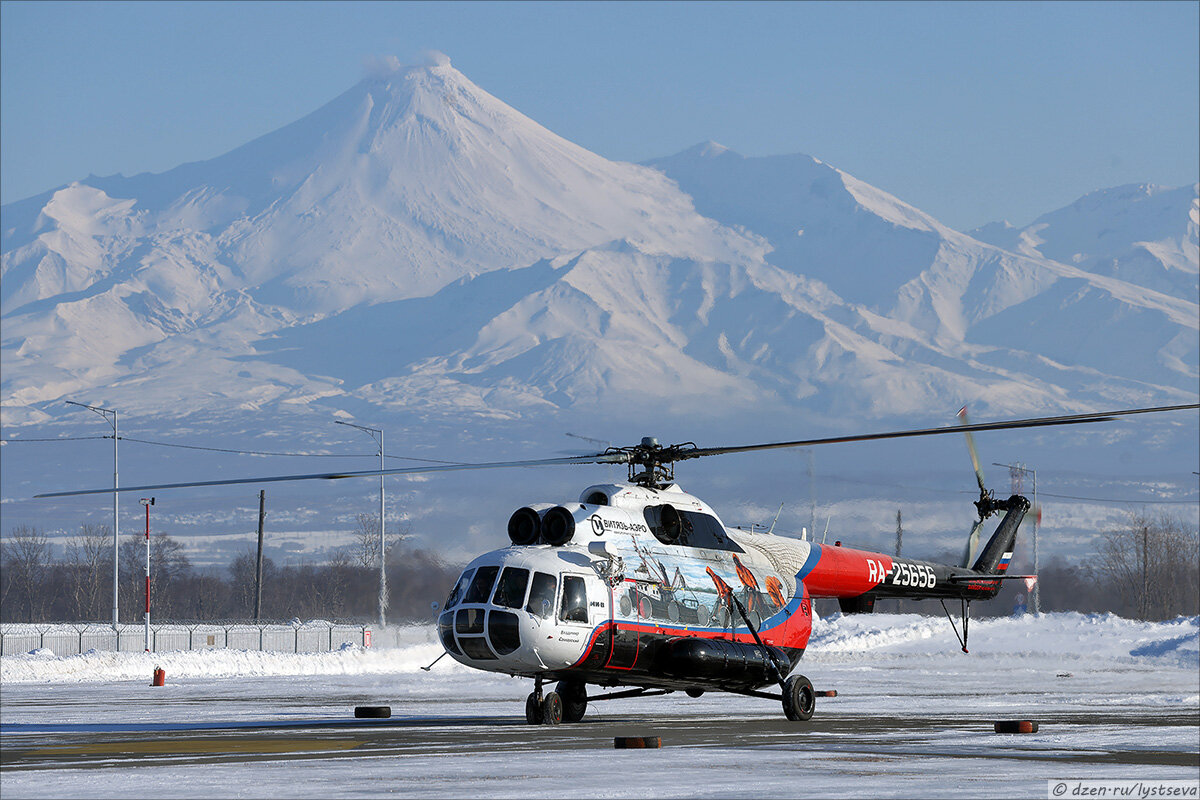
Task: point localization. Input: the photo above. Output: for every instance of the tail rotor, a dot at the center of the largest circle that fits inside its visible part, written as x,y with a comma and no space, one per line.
985,504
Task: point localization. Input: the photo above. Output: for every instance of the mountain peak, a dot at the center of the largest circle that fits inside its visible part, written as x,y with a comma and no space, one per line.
709,149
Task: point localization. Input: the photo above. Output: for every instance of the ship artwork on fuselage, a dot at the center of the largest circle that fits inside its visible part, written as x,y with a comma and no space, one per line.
641,585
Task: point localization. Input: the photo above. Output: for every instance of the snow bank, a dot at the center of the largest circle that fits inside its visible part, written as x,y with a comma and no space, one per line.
1100,637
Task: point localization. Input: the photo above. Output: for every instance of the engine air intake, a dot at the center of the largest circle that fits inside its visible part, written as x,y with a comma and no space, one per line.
558,526
524,526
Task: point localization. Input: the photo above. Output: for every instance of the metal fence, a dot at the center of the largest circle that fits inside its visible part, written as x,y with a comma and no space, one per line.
64,639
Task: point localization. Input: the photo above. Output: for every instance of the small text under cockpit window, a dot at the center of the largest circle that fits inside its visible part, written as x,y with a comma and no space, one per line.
574,600
460,587
510,591
481,586
541,596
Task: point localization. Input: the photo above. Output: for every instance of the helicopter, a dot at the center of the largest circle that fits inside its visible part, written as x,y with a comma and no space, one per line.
639,585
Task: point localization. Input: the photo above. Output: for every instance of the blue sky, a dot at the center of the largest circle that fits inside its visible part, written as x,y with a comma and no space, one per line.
971,111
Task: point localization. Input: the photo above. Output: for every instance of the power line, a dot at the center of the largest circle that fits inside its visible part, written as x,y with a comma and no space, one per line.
61,439
1120,500
241,452
231,450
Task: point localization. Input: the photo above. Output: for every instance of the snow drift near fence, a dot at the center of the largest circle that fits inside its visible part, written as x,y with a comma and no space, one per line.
1066,637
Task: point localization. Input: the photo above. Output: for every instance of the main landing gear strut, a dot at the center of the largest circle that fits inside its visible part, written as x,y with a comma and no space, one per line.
799,698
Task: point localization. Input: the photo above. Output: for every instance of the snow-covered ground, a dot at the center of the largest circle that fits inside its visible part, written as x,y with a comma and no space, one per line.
1115,699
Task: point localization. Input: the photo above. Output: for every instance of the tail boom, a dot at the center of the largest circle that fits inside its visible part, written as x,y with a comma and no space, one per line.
857,578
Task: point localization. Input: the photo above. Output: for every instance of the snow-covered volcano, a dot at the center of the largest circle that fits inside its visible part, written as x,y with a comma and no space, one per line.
418,244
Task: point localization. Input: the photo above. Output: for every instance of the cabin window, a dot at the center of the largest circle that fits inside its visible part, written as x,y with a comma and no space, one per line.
457,592
541,596
510,591
481,586
574,600
688,528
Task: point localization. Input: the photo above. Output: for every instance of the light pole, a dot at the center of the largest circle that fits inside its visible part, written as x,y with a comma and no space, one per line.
383,595
104,412
1016,473
147,503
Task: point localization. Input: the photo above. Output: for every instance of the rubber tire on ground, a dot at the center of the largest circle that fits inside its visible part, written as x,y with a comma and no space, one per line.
799,699
372,712
694,692
533,710
636,742
1016,726
574,700
552,709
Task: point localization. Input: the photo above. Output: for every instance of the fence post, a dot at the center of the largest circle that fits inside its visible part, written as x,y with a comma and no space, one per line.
296,641
331,637
260,638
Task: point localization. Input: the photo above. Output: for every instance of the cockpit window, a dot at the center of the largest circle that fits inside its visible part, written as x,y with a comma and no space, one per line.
541,596
574,600
460,587
481,586
510,591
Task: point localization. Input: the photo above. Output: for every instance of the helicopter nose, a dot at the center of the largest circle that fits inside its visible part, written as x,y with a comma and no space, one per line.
481,633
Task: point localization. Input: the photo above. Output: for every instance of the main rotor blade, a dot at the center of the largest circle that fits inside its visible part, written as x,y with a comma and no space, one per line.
1071,419
602,458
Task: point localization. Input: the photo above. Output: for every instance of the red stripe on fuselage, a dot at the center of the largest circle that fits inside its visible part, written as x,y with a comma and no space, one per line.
845,572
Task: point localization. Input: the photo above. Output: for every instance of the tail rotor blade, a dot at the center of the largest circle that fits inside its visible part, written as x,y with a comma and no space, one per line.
972,545
962,416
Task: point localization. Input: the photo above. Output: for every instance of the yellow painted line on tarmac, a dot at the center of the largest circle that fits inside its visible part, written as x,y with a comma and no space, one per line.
185,746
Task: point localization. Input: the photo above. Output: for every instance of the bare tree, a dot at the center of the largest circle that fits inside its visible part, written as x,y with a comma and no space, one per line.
366,540
88,558
26,559
1152,564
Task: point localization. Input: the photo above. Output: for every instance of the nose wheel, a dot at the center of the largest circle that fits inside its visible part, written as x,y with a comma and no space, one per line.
543,709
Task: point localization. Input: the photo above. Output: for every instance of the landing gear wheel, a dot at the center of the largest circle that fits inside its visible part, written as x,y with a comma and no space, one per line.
533,709
574,700
552,709
799,699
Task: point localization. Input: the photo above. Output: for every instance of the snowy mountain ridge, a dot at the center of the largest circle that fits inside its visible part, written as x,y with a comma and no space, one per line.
416,244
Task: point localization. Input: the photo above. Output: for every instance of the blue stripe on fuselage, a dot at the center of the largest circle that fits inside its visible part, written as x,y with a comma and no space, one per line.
814,555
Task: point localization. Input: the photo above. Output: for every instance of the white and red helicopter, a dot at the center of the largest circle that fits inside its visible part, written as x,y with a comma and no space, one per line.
641,585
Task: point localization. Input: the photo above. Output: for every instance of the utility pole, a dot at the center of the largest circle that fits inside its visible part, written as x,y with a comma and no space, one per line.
1145,571
383,593
147,502
104,412
262,515
1016,474
812,495
899,542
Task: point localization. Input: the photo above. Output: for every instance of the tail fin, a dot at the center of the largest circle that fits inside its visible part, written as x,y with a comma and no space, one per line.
999,549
